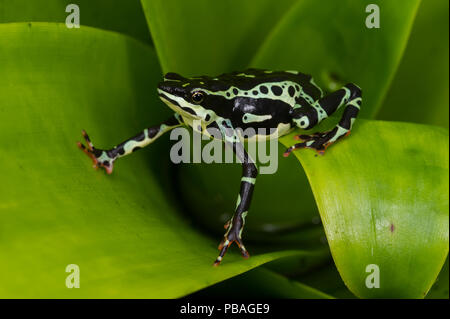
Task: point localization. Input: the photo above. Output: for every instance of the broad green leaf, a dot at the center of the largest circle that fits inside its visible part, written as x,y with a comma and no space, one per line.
329,39
55,210
204,37
382,194
117,15
261,283
421,82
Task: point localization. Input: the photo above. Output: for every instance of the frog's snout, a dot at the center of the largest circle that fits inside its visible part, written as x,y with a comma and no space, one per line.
172,88
166,87
162,86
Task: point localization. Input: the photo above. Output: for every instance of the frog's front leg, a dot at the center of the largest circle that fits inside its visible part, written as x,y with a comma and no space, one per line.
106,158
309,116
249,172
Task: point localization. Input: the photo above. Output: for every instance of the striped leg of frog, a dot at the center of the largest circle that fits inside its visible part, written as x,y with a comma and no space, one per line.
106,158
249,173
306,117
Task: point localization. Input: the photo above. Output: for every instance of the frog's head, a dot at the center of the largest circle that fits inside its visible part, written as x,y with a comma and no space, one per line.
183,95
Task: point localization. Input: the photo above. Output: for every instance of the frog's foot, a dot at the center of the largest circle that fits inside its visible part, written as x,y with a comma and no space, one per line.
317,141
99,157
313,136
232,235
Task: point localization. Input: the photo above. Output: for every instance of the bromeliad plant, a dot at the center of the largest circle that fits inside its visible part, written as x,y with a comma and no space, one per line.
382,194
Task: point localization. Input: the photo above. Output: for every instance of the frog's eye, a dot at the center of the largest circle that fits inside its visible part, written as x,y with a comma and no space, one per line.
303,122
197,97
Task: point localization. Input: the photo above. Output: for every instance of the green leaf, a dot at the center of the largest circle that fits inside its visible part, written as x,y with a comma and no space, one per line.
382,194
440,287
55,210
329,39
203,37
421,82
261,283
117,15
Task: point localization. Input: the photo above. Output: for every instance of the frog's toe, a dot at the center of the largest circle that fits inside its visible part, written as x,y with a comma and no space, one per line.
293,148
318,146
100,158
223,247
226,243
318,141
244,251
305,137
89,153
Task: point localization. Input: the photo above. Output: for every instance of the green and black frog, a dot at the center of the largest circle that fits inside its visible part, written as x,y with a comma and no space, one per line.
275,101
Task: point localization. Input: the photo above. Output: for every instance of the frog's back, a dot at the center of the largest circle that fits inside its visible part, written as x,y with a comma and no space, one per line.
251,78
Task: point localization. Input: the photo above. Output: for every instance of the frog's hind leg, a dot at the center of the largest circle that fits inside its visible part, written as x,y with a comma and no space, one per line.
236,224
351,96
249,173
106,158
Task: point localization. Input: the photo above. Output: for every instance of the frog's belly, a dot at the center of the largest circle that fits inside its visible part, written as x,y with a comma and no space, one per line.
268,134
261,135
